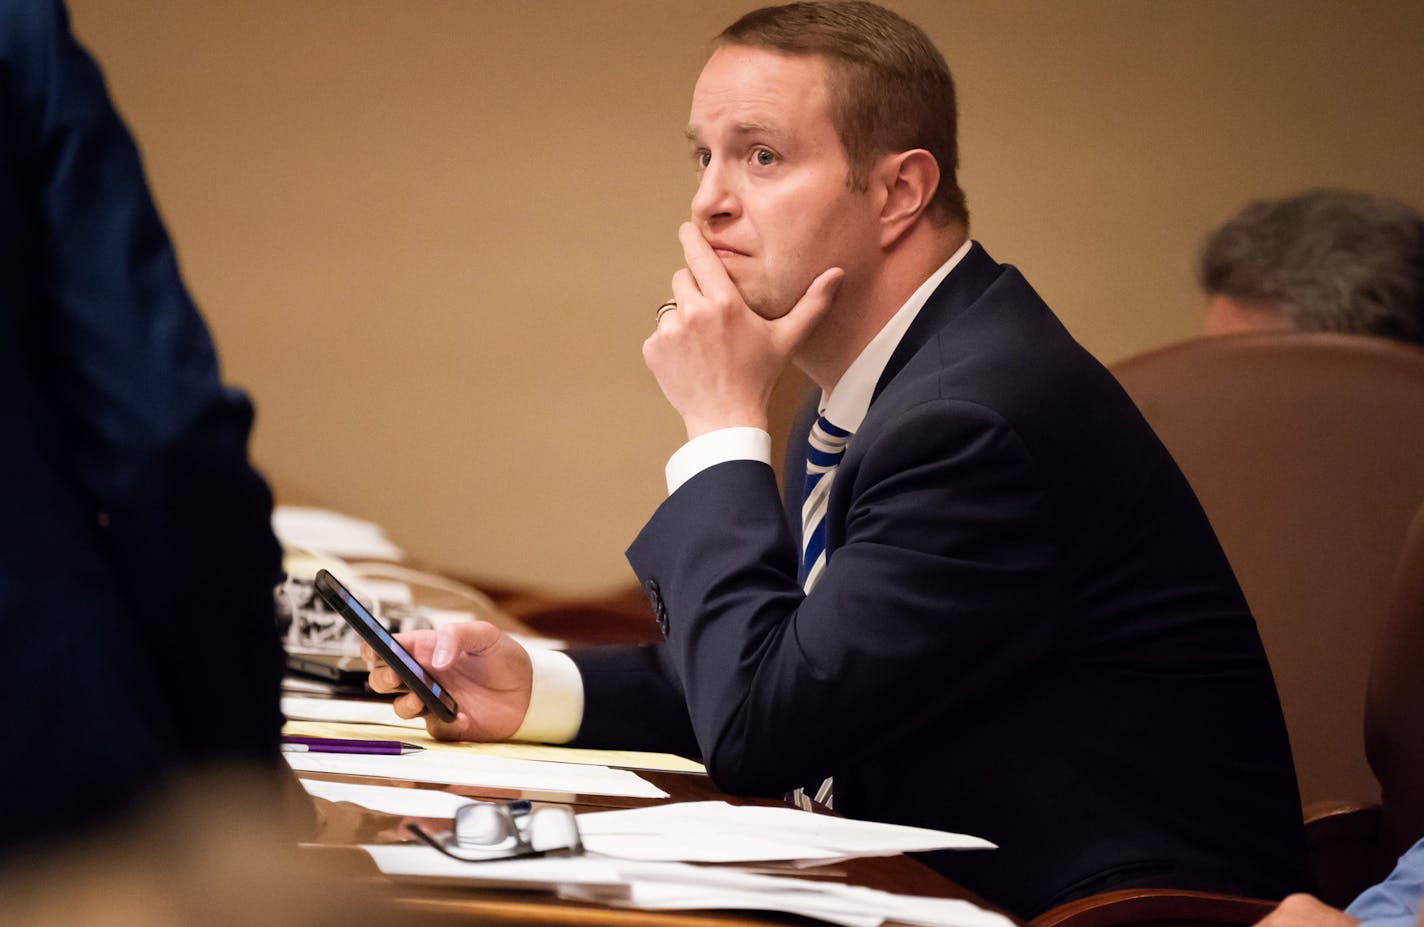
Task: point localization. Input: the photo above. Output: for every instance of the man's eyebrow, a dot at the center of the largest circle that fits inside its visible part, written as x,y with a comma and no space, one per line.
741,128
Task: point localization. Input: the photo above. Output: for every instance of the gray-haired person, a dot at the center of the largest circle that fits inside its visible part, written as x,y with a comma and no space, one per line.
1324,260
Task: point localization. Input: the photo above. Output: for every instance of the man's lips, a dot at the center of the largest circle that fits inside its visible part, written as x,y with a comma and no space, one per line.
725,251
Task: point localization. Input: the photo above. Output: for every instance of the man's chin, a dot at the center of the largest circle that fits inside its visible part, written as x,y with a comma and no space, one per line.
765,307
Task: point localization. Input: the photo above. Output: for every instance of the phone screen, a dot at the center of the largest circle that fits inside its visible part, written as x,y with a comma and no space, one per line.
415,676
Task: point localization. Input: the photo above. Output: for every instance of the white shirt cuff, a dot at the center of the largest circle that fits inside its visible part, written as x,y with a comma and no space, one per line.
555,701
714,447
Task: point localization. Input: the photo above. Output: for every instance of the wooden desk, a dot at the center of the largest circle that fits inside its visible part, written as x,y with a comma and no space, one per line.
433,904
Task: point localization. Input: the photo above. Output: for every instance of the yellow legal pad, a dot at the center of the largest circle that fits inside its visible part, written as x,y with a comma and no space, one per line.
628,759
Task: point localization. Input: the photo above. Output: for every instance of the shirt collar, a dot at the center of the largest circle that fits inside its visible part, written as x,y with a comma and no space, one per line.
849,400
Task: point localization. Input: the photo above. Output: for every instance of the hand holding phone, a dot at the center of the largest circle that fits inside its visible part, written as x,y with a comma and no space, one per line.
416,677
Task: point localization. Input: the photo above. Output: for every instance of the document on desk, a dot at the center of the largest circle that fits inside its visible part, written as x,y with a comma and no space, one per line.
718,832
361,720
389,799
485,771
351,711
679,886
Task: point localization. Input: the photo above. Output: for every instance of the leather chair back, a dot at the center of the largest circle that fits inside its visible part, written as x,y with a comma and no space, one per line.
1394,704
1307,453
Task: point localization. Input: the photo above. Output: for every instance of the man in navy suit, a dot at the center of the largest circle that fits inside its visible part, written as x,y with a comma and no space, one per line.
136,555
991,603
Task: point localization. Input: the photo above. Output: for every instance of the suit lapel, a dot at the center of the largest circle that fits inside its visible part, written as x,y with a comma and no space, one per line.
960,290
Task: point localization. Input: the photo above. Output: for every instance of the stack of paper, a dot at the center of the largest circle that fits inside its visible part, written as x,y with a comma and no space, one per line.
485,771
717,832
693,832
389,799
678,886
349,710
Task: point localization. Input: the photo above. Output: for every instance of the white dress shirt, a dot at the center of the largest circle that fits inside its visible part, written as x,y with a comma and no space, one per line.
556,703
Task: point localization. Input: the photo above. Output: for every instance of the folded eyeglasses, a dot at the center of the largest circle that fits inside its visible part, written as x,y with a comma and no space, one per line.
489,830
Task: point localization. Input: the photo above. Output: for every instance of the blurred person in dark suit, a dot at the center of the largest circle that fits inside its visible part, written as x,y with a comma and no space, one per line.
137,560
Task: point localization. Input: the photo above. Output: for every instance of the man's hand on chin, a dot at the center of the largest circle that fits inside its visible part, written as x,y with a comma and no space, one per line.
717,360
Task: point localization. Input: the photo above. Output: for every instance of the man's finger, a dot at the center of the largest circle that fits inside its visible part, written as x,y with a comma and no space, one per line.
408,706
708,273
445,648
372,658
384,679
685,293
790,330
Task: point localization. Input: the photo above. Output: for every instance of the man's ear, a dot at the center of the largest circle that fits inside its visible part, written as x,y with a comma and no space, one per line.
909,179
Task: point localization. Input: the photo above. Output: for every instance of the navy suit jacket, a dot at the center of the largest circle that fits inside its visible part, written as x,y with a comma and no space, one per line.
1025,630
136,556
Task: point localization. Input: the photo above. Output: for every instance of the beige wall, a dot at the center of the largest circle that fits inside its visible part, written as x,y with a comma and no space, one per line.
430,234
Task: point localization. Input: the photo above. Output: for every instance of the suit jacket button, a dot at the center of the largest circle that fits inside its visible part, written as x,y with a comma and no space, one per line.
655,599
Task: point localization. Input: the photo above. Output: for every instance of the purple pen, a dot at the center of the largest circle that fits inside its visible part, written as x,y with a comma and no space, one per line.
339,745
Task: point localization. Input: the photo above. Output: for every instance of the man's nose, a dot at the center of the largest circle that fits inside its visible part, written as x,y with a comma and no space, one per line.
715,197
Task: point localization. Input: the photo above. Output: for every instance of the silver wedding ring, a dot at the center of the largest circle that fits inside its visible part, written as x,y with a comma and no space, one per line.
665,308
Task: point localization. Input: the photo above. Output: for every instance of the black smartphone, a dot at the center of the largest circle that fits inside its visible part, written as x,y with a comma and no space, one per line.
416,678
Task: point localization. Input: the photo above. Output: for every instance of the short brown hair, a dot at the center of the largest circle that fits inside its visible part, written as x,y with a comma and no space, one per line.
890,87
1332,260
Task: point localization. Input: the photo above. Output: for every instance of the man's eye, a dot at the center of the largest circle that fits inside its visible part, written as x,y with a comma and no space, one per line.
764,157
702,159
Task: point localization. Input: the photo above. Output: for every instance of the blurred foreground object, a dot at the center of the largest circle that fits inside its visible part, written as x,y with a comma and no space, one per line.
136,556
217,850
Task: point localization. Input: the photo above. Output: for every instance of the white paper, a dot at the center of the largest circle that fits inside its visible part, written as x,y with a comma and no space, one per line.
679,886
487,771
661,886
713,831
405,802
297,708
703,848
656,896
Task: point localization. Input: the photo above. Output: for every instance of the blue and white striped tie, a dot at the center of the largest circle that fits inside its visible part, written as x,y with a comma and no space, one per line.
825,447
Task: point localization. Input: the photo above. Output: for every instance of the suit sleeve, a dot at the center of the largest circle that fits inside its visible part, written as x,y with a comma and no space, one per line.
154,439
937,596
632,701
